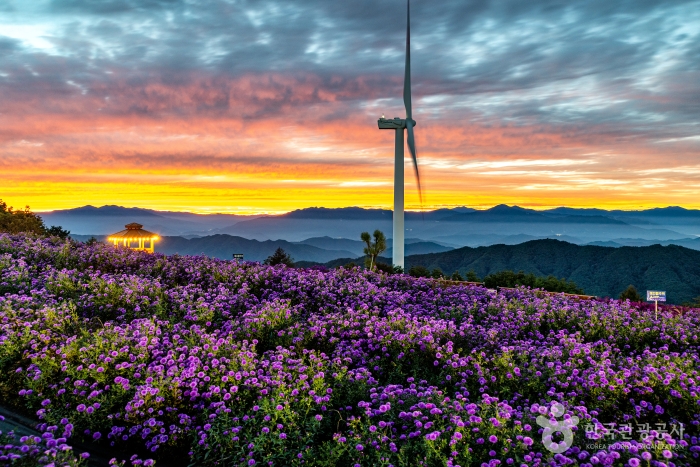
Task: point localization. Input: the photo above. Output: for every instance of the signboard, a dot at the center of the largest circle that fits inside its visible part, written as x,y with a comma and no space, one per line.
656,295
238,256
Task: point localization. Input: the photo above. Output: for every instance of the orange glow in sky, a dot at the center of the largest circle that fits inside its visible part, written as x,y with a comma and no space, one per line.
271,166
266,107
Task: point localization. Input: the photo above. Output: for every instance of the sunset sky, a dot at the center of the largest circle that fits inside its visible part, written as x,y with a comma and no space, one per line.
249,106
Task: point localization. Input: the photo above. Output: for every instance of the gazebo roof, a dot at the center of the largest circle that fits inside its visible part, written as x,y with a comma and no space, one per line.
133,231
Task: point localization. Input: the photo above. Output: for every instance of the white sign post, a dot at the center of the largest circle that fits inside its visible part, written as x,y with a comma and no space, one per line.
656,296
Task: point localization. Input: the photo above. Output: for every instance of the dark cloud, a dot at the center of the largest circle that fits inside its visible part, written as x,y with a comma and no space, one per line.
632,64
8,45
107,7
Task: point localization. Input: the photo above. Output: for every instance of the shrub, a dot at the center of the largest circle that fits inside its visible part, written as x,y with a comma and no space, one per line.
56,231
472,277
437,274
385,268
456,276
419,271
549,283
631,294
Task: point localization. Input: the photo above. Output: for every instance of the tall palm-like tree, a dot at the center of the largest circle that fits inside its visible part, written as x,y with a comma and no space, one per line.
373,249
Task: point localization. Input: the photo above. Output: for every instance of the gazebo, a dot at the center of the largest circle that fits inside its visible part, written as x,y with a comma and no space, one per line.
134,233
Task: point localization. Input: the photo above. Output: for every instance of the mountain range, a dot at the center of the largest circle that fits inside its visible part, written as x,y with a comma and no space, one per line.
453,227
318,250
91,220
602,251
600,271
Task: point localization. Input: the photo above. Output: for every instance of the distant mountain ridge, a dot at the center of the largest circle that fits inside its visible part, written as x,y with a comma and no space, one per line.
460,226
313,249
670,211
601,271
107,210
504,213
91,220
357,213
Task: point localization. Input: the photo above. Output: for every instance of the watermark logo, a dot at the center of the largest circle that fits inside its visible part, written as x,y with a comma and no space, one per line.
552,425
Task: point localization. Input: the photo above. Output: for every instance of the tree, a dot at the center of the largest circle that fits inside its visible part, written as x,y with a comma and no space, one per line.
419,271
387,268
472,277
437,273
507,279
456,276
631,294
373,249
91,241
57,231
25,220
279,257
13,222
383,267
512,279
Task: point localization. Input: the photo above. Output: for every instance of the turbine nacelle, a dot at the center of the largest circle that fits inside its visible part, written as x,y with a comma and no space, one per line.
395,123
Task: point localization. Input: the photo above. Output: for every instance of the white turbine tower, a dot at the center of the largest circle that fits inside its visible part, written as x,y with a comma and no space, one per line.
398,125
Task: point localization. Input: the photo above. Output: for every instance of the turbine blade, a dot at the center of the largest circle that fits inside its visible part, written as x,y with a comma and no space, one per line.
412,148
407,75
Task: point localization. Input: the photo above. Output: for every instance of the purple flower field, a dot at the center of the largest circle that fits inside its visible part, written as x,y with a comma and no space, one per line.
198,361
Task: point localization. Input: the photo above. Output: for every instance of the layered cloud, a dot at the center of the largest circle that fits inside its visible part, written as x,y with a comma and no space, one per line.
266,106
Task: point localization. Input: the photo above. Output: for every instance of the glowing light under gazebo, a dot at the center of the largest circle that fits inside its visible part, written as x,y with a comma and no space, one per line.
134,233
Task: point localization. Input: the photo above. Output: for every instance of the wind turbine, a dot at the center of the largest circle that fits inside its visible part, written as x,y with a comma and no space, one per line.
398,124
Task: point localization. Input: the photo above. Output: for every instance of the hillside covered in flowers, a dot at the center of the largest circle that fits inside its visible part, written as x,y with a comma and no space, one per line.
199,361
